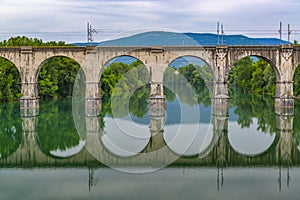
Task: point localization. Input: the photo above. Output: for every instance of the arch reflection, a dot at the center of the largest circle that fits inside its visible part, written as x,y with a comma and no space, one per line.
10,129
123,142
190,136
249,141
57,135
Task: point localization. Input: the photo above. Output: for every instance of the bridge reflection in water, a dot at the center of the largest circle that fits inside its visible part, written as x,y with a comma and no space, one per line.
211,145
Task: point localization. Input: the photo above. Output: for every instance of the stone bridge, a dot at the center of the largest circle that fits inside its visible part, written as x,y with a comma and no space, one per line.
282,152
284,59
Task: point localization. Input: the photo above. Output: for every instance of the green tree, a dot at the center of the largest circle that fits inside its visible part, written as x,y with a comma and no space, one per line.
56,77
249,76
198,77
249,106
128,85
56,126
10,81
10,129
297,82
25,41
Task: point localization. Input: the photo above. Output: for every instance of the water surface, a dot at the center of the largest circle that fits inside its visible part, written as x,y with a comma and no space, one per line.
244,151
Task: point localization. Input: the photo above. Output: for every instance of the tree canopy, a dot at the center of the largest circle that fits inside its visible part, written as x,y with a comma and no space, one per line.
251,75
297,82
25,41
56,77
10,81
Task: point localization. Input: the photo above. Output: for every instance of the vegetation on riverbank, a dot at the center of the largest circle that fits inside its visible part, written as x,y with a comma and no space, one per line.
252,75
25,41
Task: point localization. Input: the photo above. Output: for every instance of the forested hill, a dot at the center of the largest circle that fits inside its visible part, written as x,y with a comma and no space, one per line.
191,39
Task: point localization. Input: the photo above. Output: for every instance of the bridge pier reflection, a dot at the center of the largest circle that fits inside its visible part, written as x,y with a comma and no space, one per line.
284,125
28,153
92,107
29,103
28,111
92,136
156,89
220,90
157,98
286,145
157,122
220,129
284,106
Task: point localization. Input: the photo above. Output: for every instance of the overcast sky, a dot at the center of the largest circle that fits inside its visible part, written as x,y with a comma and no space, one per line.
66,19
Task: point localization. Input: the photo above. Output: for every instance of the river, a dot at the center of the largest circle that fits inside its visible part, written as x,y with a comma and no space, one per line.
239,150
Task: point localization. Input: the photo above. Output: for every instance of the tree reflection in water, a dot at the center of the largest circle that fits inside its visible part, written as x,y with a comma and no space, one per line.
10,129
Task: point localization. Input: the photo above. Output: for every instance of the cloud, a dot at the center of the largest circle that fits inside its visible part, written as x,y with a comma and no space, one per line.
113,16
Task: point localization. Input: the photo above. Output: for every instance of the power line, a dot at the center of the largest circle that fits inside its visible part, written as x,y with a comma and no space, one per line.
107,32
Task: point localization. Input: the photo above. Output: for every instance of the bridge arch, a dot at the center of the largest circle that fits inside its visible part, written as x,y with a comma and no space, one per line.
57,64
191,59
125,74
11,60
271,61
10,80
255,69
47,59
138,53
127,57
204,69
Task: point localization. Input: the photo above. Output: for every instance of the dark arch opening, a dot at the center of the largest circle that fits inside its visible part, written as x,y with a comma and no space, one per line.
133,75
296,85
57,76
252,74
125,92
252,84
187,86
57,135
10,81
196,72
251,90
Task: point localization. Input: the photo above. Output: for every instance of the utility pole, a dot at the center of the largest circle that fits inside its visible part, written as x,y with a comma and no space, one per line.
222,34
280,31
90,32
289,33
218,32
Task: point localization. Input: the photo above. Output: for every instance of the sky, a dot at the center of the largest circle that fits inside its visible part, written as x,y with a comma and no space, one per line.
66,20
